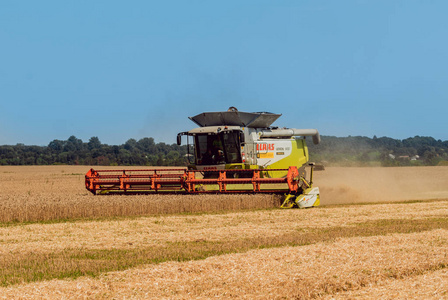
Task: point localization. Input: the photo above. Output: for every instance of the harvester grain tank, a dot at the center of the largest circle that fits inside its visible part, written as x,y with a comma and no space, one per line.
234,152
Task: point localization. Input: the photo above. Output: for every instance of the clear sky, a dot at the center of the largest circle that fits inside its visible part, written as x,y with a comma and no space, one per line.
133,69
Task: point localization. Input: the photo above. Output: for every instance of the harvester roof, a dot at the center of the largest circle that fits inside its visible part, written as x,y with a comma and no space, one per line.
233,117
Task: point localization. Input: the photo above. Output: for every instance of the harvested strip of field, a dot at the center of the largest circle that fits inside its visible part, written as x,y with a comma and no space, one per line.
46,251
429,285
160,230
309,271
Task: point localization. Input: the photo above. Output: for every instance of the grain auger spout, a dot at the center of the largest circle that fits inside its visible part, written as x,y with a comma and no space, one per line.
233,152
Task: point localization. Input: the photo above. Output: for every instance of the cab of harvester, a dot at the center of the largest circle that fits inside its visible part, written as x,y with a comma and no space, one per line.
243,140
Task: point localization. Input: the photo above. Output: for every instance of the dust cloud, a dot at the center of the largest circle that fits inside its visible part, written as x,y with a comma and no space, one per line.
355,185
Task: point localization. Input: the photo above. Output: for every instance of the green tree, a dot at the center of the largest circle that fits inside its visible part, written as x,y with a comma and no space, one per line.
94,143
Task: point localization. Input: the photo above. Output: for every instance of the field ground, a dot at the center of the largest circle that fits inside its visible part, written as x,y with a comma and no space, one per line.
59,241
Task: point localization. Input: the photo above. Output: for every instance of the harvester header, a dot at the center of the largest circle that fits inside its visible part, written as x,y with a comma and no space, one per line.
233,152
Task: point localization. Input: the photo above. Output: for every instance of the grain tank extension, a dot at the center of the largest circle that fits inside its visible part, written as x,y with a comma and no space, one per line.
234,152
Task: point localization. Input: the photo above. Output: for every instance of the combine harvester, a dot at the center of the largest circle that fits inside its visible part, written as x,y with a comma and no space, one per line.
234,152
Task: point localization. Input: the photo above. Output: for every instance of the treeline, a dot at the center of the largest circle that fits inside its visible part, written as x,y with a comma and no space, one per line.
344,151
74,151
384,151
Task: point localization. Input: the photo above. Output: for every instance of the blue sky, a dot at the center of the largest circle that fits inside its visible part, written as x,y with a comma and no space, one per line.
133,69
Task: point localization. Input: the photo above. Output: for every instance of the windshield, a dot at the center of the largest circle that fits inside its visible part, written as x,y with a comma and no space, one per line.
221,148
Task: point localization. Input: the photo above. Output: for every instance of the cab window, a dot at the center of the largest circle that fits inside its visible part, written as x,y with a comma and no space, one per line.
212,149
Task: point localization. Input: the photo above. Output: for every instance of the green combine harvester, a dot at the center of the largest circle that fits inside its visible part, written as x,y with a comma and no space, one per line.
234,152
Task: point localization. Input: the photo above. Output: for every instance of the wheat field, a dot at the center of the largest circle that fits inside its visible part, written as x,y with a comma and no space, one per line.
379,233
